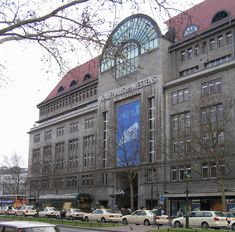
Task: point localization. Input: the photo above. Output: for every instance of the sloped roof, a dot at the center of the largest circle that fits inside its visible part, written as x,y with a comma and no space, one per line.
77,74
201,15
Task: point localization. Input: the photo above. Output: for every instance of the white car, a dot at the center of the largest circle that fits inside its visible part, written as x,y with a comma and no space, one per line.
143,217
26,210
49,212
231,225
203,219
102,215
74,214
25,226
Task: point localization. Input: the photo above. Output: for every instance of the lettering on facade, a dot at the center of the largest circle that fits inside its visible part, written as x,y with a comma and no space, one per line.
130,88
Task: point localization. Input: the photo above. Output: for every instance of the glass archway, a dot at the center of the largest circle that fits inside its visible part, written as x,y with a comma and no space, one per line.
134,36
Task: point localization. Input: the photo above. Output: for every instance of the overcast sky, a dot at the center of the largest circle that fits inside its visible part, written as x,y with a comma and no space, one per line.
28,85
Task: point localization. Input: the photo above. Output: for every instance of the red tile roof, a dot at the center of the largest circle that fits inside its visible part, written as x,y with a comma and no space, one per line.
91,67
200,15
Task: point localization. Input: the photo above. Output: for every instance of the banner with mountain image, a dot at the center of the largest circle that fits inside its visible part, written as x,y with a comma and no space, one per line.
128,134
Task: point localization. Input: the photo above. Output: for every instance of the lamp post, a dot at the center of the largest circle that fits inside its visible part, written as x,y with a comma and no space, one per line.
187,178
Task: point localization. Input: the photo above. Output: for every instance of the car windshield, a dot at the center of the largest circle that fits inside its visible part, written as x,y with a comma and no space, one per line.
41,229
30,207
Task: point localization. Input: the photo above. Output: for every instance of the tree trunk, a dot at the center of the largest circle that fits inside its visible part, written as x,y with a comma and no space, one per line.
132,195
223,197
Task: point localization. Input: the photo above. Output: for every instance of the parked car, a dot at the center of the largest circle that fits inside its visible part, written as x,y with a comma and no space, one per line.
7,209
102,215
3,210
230,216
231,225
49,212
24,226
161,219
203,219
26,210
74,214
144,217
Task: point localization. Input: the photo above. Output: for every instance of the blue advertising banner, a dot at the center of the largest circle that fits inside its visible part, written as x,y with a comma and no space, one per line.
128,134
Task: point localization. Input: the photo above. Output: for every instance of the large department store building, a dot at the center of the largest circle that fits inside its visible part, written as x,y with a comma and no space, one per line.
140,107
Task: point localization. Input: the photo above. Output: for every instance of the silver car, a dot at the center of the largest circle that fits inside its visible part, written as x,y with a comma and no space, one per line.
24,226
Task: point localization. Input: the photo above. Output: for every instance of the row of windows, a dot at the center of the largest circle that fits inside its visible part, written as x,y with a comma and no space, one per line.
207,88
89,123
218,61
208,171
181,95
222,39
59,162
181,139
208,64
68,182
76,97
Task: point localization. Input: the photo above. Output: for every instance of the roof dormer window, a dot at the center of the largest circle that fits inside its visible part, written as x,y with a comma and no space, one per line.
61,88
87,77
73,83
219,15
190,29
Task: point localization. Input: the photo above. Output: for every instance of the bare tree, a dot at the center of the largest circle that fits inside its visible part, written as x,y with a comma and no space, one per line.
207,136
14,170
62,29
212,141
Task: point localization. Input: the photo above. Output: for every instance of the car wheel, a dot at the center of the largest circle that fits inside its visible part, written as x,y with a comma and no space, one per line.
124,221
233,226
86,219
204,225
177,225
70,218
103,220
146,222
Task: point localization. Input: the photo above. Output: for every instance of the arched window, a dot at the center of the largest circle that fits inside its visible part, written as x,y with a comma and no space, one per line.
134,36
61,88
73,83
190,29
87,77
220,15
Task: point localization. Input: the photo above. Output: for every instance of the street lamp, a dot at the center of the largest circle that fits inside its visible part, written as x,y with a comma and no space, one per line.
187,179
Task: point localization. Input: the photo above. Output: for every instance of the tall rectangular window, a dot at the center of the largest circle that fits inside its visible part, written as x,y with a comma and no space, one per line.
173,174
152,129
36,138
105,138
220,41
89,151
205,171
73,149
47,135
60,131
182,55
189,53
73,127
211,44
59,156
228,36
89,122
